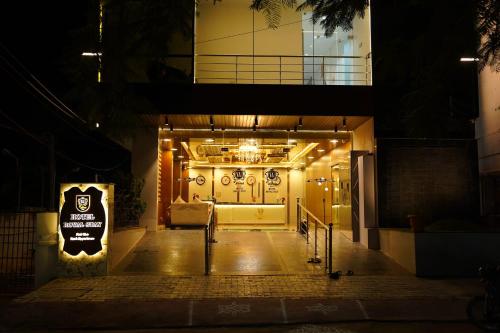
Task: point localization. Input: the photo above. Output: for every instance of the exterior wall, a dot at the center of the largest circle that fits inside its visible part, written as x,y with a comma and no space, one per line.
363,137
432,179
296,190
399,244
145,166
488,144
488,123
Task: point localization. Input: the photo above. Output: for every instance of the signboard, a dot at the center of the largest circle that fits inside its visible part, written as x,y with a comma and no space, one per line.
85,216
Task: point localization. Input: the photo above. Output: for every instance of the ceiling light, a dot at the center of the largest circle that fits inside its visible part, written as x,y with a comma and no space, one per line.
248,148
166,140
173,149
292,141
303,163
320,150
209,140
310,157
180,157
334,141
97,125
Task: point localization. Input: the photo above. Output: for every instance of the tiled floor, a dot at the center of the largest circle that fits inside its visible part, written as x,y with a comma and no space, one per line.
181,252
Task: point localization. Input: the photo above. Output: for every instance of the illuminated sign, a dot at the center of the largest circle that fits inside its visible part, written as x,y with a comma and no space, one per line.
85,216
82,221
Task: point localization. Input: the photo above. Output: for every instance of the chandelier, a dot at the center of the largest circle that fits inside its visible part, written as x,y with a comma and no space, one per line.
249,153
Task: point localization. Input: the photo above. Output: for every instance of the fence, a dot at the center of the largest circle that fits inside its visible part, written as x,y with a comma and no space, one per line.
17,259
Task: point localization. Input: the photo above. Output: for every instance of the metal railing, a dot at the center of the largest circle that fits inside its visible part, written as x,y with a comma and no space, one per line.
283,69
304,219
17,260
209,235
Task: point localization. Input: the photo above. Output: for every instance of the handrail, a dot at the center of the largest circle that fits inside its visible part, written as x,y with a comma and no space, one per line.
328,235
276,56
314,217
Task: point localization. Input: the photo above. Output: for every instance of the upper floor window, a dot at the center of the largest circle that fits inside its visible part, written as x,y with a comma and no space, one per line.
234,44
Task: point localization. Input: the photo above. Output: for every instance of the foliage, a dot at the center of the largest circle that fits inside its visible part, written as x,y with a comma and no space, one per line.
330,13
129,206
488,29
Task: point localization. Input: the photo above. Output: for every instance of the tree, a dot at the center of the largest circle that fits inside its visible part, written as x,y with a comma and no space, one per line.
333,14
488,30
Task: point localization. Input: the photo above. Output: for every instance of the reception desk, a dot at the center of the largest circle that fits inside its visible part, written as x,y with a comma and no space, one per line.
235,213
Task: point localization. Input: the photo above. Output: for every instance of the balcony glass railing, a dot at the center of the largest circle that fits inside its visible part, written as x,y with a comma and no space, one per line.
282,69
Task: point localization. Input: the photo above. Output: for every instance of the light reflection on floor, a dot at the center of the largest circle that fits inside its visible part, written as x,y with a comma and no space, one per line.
181,252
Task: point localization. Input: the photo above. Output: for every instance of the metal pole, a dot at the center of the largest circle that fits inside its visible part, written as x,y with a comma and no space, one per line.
315,239
330,233
307,228
206,251
298,215
326,249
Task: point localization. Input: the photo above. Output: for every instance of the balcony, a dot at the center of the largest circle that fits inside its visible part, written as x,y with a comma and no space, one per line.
235,45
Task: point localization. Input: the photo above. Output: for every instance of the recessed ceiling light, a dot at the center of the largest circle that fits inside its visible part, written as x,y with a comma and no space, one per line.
209,140
320,150
166,140
334,141
180,157
310,157
173,149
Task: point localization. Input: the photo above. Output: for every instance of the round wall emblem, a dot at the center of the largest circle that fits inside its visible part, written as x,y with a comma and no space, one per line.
239,176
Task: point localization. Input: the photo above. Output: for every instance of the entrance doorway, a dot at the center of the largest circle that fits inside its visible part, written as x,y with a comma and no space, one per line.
256,173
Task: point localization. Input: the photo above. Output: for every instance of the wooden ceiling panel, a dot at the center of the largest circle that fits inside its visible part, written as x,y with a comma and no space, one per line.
278,122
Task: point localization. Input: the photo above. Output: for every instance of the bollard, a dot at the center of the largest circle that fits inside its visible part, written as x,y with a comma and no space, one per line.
206,251
298,215
330,234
